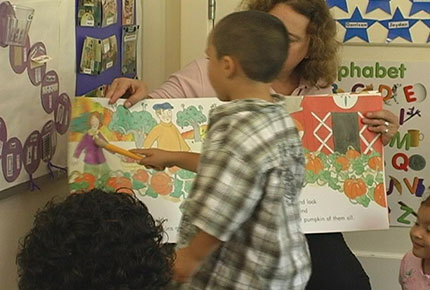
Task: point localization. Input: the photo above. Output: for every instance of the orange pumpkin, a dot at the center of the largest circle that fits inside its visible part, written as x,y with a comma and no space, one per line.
375,163
161,183
314,164
379,195
120,184
343,161
354,187
173,169
352,153
86,177
141,175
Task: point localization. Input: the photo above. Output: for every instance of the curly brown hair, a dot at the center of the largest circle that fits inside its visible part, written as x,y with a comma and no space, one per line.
95,241
320,68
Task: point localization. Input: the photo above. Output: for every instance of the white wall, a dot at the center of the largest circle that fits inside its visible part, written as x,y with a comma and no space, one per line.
379,251
160,26
16,218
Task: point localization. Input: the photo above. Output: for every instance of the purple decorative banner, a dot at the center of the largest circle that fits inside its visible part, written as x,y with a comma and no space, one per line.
32,152
12,159
36,71
49,141
3,135
49,91
18,57
62,114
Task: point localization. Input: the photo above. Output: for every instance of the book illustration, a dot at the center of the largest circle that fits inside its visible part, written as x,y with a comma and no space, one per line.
159,124
344,185
343,158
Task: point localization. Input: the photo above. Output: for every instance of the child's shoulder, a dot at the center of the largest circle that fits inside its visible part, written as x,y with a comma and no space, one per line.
410,259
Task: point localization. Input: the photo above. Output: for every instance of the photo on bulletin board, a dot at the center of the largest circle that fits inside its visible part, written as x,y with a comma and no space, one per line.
395,22
405,90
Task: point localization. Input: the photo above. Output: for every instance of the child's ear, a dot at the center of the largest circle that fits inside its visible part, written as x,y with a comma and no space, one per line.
229,66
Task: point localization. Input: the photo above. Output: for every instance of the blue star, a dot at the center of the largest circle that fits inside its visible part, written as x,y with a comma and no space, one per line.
416,7
398,26
379,4
338,3
356,26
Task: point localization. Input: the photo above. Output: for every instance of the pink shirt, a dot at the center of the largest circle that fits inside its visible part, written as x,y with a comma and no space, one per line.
411,275
193,82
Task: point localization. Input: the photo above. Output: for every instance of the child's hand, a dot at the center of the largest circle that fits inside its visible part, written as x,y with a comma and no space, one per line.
155,158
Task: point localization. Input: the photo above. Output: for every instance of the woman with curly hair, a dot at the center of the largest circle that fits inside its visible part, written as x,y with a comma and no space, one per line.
310,69
94,241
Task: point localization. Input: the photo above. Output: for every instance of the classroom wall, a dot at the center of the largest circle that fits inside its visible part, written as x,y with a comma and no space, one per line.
379,251
160,47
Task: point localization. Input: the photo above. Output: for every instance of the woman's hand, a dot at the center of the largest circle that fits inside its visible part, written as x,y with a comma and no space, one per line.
384,122
121,86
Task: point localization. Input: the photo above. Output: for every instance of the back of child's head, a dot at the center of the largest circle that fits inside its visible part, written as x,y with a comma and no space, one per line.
257,40
95,240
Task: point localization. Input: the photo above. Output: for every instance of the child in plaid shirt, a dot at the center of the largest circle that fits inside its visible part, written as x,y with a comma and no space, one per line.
241,223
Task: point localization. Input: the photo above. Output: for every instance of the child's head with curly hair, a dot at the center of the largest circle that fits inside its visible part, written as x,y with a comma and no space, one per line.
95,240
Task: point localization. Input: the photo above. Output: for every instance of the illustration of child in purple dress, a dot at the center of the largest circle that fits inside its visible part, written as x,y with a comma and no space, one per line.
94,159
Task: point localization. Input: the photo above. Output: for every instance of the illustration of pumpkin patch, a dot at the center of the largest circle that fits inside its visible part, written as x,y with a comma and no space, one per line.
379,195
141,175
88,178
119,182
375,163
352,153
342,160
354,187
314,163
161,183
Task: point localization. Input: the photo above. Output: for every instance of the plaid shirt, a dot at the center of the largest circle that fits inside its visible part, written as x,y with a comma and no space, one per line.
246,194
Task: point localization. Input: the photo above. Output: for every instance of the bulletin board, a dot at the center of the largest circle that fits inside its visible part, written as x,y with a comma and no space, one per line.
405,87
36,103
85,83
394,22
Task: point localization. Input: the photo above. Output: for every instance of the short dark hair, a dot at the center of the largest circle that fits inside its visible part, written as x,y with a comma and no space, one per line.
258,40
94,240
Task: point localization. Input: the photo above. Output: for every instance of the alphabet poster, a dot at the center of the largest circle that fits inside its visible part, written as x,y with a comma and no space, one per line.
344,178
404,87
